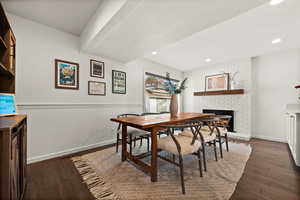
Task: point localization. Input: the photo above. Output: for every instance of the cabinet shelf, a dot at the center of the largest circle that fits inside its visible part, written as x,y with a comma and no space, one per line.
7,55
222,92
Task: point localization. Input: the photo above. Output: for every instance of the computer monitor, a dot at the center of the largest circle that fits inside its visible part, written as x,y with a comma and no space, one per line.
7,104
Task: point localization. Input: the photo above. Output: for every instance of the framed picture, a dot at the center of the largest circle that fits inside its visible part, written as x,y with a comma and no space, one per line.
66,75
96,88
118,82
217,82
97,69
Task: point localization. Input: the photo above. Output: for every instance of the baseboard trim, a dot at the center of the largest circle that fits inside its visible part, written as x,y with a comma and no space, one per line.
239,136
107,142
68,151
273,139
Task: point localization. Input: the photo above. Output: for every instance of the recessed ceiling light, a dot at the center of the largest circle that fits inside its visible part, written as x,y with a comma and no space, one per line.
207,60
154,52
276,41
275,2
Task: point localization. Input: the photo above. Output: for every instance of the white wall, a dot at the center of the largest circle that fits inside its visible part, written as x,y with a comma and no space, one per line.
241,104
269,81
274,79
64,121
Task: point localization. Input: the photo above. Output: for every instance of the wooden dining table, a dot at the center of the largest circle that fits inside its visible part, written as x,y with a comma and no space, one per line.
152,124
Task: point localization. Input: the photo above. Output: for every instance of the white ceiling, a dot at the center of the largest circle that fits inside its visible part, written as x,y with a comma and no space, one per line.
67,15
152,24
247,35
183,32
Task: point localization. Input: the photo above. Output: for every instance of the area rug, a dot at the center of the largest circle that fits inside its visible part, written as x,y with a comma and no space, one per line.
109,178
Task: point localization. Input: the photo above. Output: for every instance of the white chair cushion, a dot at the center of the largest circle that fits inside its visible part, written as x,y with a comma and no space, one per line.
223,131
205,128
168,144
206,135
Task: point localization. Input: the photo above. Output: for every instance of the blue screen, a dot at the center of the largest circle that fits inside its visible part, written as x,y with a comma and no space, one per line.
7,104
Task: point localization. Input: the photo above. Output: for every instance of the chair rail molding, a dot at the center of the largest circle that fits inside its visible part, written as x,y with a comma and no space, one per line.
22,106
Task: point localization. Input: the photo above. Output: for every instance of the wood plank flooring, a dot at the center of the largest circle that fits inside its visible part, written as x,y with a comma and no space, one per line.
269,175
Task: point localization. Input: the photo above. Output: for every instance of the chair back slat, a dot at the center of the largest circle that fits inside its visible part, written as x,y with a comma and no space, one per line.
194,126
149,113
126,115
223,120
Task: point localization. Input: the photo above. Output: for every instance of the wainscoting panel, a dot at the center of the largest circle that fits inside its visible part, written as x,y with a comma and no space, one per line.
60,129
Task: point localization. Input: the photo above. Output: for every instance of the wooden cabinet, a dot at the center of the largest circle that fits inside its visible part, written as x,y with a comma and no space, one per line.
7,55
293,135
13,157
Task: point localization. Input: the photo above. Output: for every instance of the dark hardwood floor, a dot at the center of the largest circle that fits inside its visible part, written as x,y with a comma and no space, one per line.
269,175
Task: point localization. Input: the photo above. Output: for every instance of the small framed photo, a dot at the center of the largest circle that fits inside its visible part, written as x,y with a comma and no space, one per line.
118,82
96,88
97,69
66,75
217,82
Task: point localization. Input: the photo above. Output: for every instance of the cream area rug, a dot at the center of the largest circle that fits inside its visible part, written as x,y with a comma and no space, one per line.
109,178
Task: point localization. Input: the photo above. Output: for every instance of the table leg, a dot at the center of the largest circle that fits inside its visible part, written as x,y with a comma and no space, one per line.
154,155
124,142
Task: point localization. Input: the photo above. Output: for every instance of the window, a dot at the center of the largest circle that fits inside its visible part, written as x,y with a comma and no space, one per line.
159,104
156,98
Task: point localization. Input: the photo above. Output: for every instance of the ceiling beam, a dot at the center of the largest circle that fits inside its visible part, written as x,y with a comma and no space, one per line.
106,17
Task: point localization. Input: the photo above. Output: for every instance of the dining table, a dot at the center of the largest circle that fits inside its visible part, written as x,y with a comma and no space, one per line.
152,124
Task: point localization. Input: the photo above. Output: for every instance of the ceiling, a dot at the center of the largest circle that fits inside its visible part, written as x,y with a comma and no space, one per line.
246,35
152,24
67,15
183,32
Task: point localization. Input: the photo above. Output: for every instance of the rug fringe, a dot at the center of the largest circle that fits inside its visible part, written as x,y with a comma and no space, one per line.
96,184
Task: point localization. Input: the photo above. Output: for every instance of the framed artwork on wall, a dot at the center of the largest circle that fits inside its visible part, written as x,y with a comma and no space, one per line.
97,69
217,82
118,82
66,75
96,88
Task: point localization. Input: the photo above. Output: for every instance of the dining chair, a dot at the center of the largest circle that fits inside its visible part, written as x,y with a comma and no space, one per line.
165,112
206,138
149,113
179,146
133,134
219,125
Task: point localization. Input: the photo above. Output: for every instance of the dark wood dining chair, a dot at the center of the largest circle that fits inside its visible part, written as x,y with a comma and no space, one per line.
133,135
179,146
218,125
165,112
149,113
207,138
221,127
